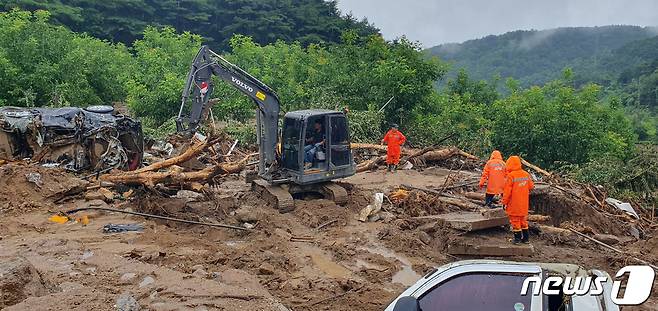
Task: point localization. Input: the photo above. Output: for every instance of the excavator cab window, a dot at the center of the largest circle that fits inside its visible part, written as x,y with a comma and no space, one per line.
315,142
340,141
292,130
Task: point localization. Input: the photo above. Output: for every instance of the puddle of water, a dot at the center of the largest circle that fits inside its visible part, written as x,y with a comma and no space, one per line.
406,276
366,265
328,266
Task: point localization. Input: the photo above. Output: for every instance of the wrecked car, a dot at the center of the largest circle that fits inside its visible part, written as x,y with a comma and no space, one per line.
95,138
497,285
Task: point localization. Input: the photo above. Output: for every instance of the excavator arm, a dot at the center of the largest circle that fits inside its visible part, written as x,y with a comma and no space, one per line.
199,88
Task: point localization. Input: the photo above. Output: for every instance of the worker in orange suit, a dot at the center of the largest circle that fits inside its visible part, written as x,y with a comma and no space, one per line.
493,176
516,199
394,139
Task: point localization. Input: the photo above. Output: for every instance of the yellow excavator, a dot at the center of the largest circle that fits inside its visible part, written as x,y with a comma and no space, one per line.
314,143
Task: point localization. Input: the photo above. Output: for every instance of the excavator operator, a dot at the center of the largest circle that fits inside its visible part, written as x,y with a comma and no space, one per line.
314,140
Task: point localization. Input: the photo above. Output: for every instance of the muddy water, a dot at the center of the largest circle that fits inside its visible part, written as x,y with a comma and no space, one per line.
325,264
406,276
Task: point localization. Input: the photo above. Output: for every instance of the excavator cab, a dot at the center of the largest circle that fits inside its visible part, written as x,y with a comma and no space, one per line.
316,146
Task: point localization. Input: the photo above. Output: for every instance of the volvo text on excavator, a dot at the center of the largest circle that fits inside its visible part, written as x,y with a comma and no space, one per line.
314,144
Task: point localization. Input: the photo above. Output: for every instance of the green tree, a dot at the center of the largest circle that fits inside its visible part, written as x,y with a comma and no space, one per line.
163,59
557,124
42,64
306,21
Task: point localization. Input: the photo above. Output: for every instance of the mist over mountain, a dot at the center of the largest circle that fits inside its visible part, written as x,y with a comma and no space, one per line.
596,54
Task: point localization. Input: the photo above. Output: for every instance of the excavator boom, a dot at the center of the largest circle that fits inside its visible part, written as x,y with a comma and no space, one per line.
199,87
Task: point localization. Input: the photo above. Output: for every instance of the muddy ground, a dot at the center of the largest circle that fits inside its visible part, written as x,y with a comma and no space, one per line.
318,257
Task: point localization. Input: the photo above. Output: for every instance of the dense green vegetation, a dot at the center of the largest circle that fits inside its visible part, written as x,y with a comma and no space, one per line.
266,21
622,59
559,125
41,64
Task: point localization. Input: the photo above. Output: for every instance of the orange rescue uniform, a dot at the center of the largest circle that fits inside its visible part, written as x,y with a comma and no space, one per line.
394,139
516,195
494,174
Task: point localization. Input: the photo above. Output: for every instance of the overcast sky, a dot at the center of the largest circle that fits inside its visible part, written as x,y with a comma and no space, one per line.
434,22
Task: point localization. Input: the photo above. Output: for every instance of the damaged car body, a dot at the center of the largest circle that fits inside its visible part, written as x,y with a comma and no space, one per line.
95,138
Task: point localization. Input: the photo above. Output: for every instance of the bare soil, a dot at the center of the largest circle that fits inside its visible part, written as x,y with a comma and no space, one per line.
318,257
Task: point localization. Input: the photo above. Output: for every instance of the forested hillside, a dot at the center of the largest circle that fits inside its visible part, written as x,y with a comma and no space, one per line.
577,126
306,21
596,54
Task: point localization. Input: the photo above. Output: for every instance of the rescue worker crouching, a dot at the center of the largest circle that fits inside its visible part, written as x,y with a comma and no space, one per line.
394,139
493,176
516,199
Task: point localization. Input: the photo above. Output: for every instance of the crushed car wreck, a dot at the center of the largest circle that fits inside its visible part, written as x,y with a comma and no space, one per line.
94,138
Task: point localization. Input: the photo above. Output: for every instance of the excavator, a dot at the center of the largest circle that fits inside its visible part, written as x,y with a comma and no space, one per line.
311,151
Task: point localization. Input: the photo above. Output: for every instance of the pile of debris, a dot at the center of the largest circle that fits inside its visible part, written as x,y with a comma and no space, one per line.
95,138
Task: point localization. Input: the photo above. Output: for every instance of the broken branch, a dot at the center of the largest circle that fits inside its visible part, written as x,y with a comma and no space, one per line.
175,177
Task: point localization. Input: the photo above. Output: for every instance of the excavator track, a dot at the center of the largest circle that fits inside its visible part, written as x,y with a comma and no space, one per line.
334,192
279,197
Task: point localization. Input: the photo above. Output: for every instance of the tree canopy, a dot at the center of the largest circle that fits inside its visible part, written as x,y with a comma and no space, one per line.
266,21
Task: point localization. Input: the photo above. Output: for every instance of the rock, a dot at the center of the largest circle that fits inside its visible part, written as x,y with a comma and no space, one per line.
146,282
34,178
127,277
248,225
87,254
247,214
126,302
18,280
424,237
607,238
266,269
200,273
108,195
70,287
189,195
634,232
94,195
281,307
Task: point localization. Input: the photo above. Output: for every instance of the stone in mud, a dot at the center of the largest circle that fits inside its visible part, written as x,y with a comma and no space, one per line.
18,280
126,302
247,214
607,238
266,269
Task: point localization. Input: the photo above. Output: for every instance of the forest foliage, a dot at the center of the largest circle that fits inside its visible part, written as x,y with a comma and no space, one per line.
266,21
555,125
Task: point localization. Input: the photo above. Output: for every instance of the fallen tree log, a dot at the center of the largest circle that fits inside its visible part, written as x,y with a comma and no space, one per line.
443,154
370,164
539,218
190,153
426,149
475,195
536,168
175,176
425,155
